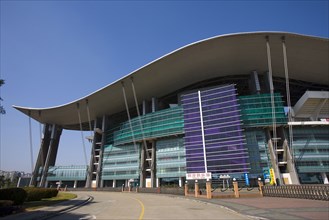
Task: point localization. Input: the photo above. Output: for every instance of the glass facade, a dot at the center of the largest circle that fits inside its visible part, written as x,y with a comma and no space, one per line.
157,124
170,158
256,110
121,159
120,162
258,152
311,149
213,130
214,140
67,173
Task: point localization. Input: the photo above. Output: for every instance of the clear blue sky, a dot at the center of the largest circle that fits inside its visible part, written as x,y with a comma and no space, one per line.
54,52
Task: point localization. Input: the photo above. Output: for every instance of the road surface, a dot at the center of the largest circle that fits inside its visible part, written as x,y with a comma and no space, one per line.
142,206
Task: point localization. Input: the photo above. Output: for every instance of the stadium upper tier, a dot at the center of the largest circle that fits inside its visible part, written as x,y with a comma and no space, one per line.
220,56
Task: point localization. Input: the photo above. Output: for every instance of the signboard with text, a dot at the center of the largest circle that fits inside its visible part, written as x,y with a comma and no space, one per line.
198,176
272,175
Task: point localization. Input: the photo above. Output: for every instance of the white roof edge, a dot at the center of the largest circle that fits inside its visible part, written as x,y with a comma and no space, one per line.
308,123
166,55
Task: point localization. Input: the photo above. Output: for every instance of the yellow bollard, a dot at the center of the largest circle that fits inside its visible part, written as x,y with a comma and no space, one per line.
186,188
260,185
236,188
208,189
196,189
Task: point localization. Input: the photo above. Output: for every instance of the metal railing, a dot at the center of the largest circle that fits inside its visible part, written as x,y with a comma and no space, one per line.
316,192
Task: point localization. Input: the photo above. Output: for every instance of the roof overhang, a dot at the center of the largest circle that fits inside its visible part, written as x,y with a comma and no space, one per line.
313,105
219,56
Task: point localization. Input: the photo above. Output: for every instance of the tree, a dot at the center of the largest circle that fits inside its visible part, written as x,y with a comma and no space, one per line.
2,181
2,109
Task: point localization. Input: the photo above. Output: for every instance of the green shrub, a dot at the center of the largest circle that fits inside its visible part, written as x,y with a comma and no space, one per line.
48,193
6,203
36,194
17,195
53,192
33,194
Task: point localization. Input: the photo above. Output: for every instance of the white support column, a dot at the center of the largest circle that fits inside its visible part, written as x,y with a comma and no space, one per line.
270,77
128,114
75,184
142,167
114,183
154,104
31,146
325,178
146,107
202,132
157,182
99,181
286,73
19,181
274,139
153,166
82,135
180,181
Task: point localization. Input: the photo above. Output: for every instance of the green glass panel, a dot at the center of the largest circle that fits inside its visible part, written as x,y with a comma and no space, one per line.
67,173
256,110
120,162
170,160
153,125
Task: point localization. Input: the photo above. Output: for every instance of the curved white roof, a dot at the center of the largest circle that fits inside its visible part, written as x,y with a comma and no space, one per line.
234,54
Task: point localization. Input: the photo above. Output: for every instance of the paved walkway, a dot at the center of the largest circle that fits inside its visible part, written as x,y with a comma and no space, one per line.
276,207
259,208
148,206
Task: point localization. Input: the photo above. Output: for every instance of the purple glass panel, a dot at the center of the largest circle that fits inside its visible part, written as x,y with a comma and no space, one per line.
224,141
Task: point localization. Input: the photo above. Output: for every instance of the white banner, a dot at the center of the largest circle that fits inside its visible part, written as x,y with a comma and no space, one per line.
198,176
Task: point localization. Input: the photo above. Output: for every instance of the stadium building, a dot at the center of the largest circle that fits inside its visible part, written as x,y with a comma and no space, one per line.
244,105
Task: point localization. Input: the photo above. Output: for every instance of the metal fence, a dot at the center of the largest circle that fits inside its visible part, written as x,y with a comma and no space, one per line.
316,192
